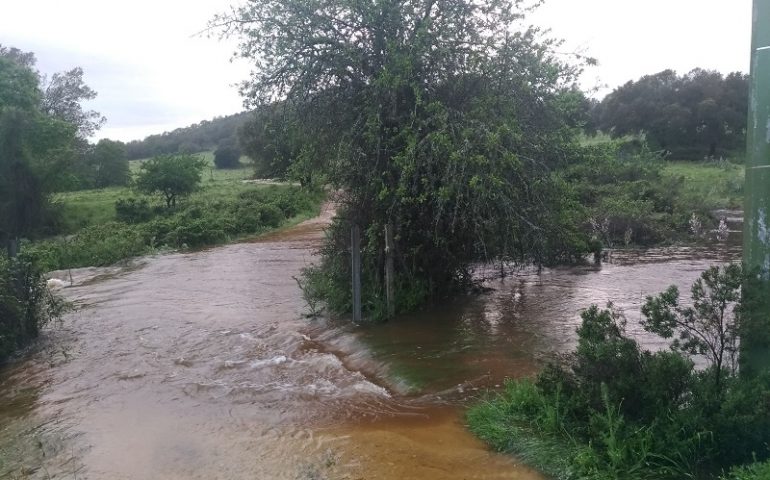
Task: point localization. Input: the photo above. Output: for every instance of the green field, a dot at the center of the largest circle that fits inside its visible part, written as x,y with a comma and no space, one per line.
84,208
716,186
228,206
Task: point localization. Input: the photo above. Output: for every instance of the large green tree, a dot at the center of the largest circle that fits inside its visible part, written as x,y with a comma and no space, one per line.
441,117
34,147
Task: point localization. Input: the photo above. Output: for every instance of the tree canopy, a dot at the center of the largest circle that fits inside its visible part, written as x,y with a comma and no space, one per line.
63,95
281,145
701,113
442,117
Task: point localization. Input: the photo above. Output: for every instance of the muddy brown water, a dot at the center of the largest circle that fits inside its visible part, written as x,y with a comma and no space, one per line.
201,366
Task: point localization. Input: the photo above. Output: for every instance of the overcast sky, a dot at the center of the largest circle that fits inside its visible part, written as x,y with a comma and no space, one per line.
154,74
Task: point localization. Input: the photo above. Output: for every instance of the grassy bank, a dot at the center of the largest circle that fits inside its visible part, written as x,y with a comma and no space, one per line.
611,410
713,184
226,207
639,199
543,429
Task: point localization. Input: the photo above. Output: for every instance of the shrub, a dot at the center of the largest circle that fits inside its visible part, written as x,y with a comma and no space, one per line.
755,471
616,411
227,156
132,210
195,233
626,197
270,215
26,304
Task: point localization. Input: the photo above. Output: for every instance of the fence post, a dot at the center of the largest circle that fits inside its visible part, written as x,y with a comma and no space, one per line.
355,258
389,278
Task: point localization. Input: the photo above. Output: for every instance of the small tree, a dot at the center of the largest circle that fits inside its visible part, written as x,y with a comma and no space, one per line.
710,326
171,176
227,156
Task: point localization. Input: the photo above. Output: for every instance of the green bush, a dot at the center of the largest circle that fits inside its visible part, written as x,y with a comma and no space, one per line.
628,197
132,210
26,304
196,233
755,471
270,215
227,156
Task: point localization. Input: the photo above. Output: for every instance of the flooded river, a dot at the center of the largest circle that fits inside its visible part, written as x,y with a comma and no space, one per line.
201,366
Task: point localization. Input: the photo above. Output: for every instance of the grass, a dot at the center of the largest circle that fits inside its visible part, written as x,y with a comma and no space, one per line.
756,471
499,422
719,186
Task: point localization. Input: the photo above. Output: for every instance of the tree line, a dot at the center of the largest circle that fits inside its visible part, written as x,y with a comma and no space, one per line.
199,137
691,116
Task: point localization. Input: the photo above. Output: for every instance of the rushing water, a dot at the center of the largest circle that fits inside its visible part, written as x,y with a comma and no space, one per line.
201,365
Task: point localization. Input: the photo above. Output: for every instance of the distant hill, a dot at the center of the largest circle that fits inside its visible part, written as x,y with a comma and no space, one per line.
198,137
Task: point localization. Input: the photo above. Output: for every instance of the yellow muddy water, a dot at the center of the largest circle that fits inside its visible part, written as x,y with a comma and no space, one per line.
202,366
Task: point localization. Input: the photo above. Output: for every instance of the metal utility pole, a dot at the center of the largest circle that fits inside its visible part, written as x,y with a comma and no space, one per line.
755,338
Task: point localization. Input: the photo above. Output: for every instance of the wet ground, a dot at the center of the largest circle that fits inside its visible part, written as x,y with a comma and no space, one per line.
201,365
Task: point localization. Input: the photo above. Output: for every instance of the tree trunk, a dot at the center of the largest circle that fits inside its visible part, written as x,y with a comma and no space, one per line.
718,373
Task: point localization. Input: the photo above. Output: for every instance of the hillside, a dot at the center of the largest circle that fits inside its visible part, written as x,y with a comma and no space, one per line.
198,137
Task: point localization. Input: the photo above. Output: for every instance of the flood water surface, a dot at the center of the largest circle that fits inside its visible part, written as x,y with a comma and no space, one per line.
201,365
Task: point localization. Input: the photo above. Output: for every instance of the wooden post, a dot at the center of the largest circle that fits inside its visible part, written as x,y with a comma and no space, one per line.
389,273
355,257
13,247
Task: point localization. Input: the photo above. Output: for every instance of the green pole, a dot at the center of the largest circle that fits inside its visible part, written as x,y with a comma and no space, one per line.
755,340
